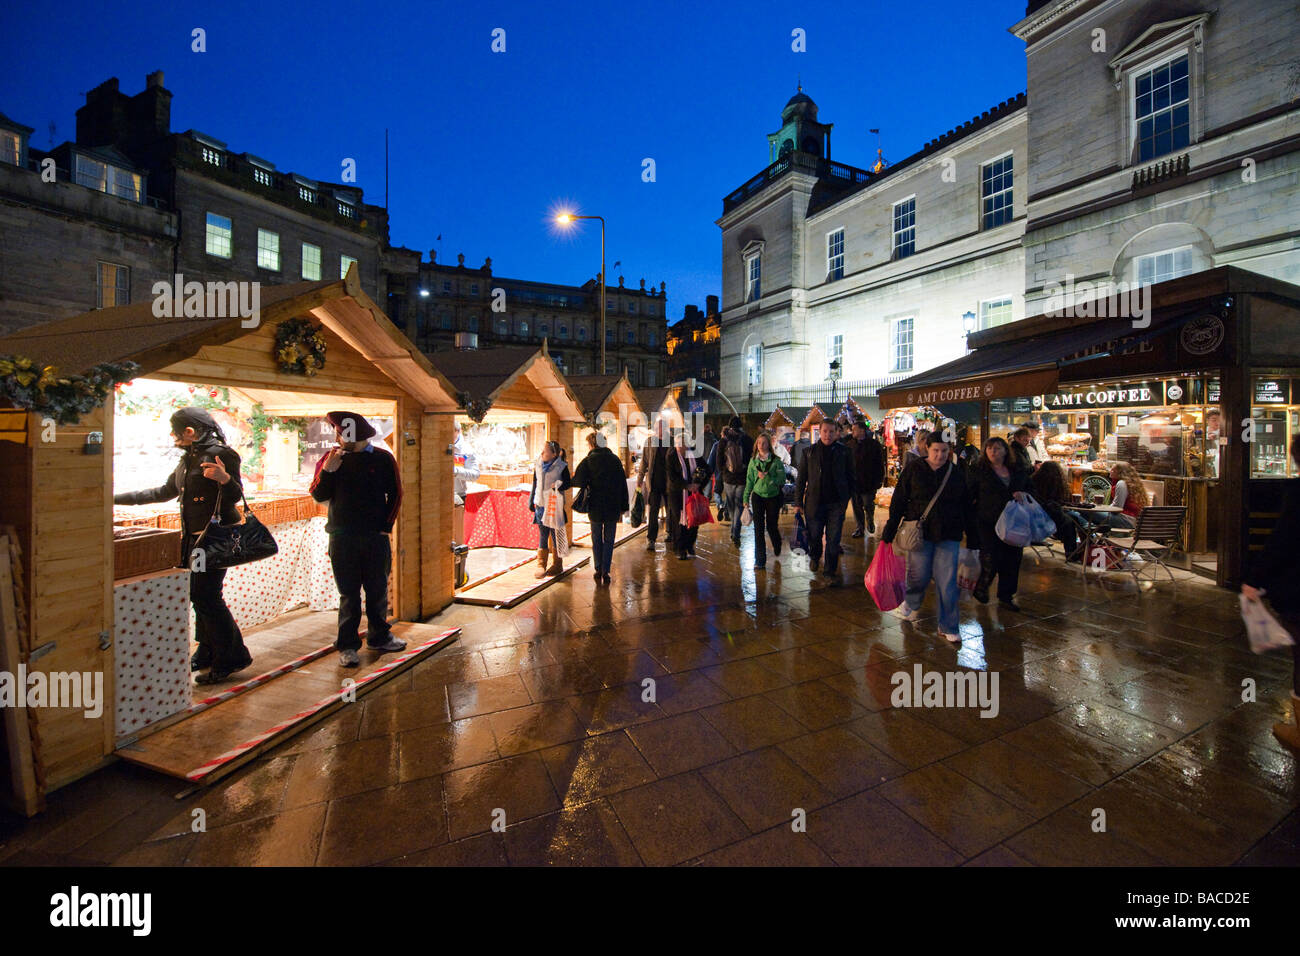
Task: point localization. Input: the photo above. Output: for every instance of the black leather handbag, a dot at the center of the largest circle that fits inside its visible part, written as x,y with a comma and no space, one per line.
228,546
582,500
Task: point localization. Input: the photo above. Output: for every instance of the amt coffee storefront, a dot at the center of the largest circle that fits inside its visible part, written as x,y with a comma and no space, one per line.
1196,395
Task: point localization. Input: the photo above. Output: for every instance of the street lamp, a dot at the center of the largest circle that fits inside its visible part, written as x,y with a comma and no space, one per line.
566,218
968,323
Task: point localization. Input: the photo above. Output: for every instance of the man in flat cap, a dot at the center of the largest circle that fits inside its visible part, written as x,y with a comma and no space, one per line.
364,490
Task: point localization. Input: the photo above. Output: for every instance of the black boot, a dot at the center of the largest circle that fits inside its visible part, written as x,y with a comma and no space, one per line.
987,574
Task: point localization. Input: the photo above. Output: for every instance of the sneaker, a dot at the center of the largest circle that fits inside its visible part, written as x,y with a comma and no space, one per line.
349,658
856,534
903,614
390,644
950,637
217,675
650,545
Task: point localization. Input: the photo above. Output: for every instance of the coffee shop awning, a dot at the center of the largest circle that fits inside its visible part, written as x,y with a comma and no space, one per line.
1007,369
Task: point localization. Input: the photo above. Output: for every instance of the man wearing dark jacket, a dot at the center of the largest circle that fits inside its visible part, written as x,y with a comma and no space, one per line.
601,473
822,491
868,476
652,476
364,490
731,458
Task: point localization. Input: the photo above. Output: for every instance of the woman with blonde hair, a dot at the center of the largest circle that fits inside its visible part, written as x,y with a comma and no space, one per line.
1128,493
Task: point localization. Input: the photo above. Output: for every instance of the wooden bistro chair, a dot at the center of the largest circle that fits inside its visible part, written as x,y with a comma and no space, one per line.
1158,531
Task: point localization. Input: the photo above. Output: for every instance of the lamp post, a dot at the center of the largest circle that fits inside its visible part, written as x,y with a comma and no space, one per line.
968,323
564,219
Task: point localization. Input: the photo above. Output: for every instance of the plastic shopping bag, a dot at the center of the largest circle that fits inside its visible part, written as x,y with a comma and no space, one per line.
886,578
1263,629
553,510
968,569
800,541
1015,527
695,510
1042,526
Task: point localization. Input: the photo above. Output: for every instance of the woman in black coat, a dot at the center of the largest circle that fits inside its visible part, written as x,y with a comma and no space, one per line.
686,474
995,480
601,474
1273,573
949,519
207,482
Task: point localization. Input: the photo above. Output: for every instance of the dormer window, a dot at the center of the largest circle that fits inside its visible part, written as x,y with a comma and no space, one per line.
211,156
347,209
1160,79
105,178
306,194
11,147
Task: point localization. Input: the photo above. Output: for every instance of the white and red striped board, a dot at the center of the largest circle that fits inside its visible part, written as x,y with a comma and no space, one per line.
234,728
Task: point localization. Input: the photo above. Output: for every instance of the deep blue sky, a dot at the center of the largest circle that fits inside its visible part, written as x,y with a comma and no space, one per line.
484,146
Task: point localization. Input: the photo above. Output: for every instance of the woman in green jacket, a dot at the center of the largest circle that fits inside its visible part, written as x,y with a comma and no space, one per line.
763,483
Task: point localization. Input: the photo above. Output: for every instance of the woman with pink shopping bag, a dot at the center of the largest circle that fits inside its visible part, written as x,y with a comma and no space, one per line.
929,514
1273,574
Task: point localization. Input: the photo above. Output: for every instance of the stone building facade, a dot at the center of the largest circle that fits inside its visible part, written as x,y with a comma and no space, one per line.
1162,142
831,271
695,345
441,300
66,248
131,202
1151,143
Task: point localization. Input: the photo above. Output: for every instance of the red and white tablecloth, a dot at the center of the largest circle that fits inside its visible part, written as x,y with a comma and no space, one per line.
152,651
300,574
499,519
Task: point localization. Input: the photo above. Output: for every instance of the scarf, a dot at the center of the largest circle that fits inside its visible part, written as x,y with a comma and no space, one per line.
209,434
546,475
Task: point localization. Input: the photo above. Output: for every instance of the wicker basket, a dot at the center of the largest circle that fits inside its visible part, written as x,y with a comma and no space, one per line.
309,507
154,550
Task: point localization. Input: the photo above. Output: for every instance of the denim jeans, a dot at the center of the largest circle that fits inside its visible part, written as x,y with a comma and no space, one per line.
733,494
602,544
937,560
827,520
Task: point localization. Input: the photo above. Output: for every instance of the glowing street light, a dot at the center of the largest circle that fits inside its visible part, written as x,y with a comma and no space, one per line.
565,219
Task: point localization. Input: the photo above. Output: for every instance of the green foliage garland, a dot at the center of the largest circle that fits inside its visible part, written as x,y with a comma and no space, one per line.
64,398
260,423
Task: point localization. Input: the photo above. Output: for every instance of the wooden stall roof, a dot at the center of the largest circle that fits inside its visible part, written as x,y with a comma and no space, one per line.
480,376
133,333
596,392
819,412
779,417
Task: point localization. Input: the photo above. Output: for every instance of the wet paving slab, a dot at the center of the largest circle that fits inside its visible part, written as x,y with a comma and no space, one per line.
703,713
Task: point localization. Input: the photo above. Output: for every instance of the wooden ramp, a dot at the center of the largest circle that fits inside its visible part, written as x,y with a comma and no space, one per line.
516,584
238,722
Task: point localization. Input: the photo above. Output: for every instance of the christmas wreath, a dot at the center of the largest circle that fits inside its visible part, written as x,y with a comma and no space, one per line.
299,347
64,398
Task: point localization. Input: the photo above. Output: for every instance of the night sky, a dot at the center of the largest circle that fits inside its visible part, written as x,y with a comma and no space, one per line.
485,147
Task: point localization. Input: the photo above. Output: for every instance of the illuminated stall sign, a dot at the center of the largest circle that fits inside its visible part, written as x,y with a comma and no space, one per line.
1118,396
1272,391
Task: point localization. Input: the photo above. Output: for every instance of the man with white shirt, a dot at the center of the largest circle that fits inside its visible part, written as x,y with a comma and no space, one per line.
1037,449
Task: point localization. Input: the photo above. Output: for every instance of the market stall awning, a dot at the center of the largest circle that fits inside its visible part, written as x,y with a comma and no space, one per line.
134,333
479,377
1009,369
595,392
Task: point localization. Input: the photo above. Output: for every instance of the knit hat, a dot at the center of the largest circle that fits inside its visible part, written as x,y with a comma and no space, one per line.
350,421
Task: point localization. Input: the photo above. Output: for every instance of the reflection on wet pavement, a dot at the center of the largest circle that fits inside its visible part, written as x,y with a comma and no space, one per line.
704,712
